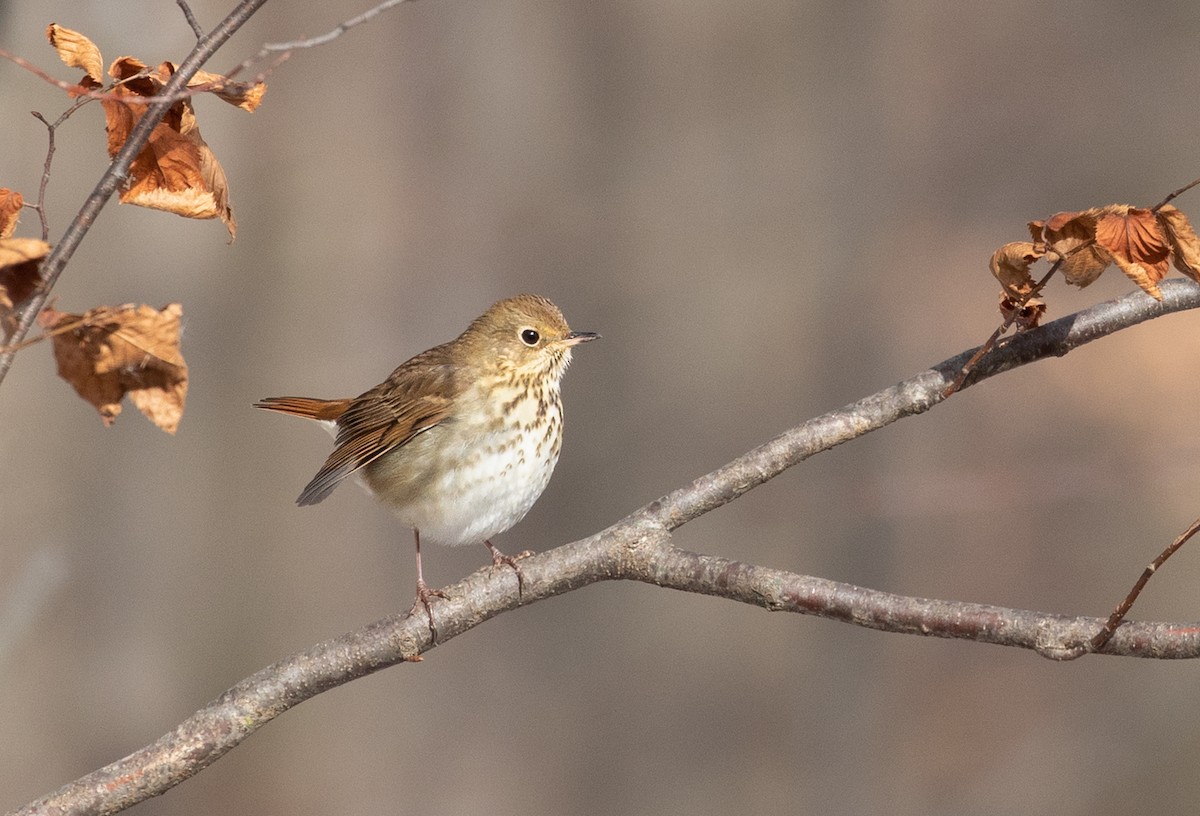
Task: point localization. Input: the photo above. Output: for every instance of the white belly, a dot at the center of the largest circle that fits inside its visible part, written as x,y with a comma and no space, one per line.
471,483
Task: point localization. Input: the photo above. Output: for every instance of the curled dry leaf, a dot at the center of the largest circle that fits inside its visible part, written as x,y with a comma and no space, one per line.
245,95
109,352
1185,246
20,262
76,50
1133,238
1072,236
20,274
177,170
10,208
1010,264
1023,316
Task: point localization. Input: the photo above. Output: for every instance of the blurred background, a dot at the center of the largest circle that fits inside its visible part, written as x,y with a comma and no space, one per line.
769,209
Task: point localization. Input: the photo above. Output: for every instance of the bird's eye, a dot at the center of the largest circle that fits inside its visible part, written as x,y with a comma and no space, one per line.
530,337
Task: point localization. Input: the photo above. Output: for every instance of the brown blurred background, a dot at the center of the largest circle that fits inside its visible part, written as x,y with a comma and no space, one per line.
769,208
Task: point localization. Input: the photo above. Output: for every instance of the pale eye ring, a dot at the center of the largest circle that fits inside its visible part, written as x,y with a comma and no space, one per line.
530,337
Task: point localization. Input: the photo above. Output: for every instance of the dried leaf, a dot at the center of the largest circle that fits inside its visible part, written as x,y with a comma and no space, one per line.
109,352
10,208
176,171
245,95
1023,316
1141,242
76,50
1185,246
1010,264
1137,245
1143,276
20,262
1072,236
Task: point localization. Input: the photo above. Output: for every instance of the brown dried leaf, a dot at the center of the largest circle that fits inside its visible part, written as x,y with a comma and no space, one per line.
109,352
10,208
1025,316
1010,264
244,95
176,171
1084,265
1072,236
1185,246
76,50
20,262
1143,276
1137,245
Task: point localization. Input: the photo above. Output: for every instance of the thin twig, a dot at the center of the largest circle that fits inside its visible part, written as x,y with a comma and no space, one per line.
1175,194
116,173
107,94
50,148
284,49
1118,614
191,19
62,328
40,206
337,31
262,75
990,343
69,87
74,89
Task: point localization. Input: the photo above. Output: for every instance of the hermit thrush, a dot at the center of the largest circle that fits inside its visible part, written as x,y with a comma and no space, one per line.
460,440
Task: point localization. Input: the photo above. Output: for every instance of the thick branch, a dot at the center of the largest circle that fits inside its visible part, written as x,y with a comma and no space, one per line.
915,395
638,548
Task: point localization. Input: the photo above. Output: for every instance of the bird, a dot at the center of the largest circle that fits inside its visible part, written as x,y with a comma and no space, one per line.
460,440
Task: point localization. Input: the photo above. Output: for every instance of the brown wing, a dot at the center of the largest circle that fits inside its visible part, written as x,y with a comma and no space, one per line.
417,396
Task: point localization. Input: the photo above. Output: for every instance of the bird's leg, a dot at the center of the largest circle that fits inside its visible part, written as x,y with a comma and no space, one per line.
499,558
424,593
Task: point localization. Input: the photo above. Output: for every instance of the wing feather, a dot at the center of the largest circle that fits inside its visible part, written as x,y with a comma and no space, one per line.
418,396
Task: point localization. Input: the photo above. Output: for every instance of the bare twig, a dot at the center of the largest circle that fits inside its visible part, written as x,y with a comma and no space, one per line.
40,207
990,343
283,50
191,18
63,328
106,93
638,548
337,31
114,176
1118,614
69,87
1174,195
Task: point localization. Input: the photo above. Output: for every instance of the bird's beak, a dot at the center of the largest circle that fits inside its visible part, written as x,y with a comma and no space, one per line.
575,338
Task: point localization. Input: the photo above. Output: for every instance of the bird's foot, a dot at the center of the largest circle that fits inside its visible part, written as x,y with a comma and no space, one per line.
424,593
500,559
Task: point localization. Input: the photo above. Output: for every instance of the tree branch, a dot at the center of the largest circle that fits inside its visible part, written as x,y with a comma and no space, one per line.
915,395
338,30
638,548
190,16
